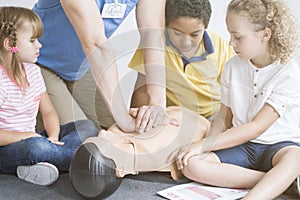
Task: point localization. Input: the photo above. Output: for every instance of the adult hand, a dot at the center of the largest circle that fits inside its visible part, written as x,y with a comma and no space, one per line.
148,117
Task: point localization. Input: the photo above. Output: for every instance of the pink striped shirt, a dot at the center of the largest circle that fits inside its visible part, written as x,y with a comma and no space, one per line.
18,111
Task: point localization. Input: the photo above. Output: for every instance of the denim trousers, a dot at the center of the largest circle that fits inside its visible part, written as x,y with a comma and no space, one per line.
39,149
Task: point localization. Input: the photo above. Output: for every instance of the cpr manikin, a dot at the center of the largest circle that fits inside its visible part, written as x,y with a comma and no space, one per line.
100,162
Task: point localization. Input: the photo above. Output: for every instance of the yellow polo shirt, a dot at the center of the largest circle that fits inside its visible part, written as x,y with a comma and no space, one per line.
197,87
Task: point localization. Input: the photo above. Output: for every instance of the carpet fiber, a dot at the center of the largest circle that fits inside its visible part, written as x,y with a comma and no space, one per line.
142,186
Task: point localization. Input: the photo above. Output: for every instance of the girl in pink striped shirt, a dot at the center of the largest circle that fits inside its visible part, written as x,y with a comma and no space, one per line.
34,155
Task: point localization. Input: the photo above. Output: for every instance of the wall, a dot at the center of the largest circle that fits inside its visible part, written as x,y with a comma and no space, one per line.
217,21
130,40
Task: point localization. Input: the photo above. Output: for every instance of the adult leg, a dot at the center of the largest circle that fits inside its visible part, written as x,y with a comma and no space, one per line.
87,95
67,108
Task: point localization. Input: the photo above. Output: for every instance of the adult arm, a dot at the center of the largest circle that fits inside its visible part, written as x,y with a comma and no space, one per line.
88,24
150,21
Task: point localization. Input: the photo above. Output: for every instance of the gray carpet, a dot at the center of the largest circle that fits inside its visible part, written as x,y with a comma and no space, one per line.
142,186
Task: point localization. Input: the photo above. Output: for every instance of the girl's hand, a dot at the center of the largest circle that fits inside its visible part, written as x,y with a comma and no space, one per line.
31,134
187,152
55,141
26,135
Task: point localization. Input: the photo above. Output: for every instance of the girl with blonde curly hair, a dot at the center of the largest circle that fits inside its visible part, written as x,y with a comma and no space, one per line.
257,129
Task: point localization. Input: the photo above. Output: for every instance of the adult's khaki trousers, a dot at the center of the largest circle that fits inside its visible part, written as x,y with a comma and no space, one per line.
75,100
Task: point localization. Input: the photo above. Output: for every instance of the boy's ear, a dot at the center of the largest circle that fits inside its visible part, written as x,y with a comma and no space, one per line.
7,44
267,33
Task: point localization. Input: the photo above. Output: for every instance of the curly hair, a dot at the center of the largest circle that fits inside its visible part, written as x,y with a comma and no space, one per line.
12,21
200,9
273,14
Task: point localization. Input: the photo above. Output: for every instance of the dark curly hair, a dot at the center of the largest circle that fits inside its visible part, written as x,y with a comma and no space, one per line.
200,9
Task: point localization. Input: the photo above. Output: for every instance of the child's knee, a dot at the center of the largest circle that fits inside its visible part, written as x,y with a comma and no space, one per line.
295,155
86,128
288,155
193,168
37,146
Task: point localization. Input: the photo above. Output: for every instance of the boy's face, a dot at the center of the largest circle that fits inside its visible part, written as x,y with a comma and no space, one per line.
186,33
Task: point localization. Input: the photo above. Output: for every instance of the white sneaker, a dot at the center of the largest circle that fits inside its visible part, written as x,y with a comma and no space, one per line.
42,173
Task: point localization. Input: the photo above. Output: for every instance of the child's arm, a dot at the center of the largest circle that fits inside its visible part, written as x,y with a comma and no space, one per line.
222,122
229,137
139,96
9,137
50,118
246,132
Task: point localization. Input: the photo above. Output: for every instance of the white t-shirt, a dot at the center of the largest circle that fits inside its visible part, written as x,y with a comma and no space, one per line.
246,89
17,111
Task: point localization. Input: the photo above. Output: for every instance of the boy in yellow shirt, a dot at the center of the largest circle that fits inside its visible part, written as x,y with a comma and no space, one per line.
194,59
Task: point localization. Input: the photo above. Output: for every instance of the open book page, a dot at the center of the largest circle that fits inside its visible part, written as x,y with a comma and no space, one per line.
197,191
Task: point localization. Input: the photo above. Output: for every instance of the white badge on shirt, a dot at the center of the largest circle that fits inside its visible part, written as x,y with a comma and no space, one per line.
114,10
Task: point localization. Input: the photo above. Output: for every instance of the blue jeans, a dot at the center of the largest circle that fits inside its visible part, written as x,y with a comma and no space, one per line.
39,149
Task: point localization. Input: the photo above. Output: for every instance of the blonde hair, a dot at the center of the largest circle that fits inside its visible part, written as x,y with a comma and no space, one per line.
12,20
273,14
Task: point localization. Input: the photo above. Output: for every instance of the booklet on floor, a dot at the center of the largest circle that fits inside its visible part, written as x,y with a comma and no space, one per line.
197,191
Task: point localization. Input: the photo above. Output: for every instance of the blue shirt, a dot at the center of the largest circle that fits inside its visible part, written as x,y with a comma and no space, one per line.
62,52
